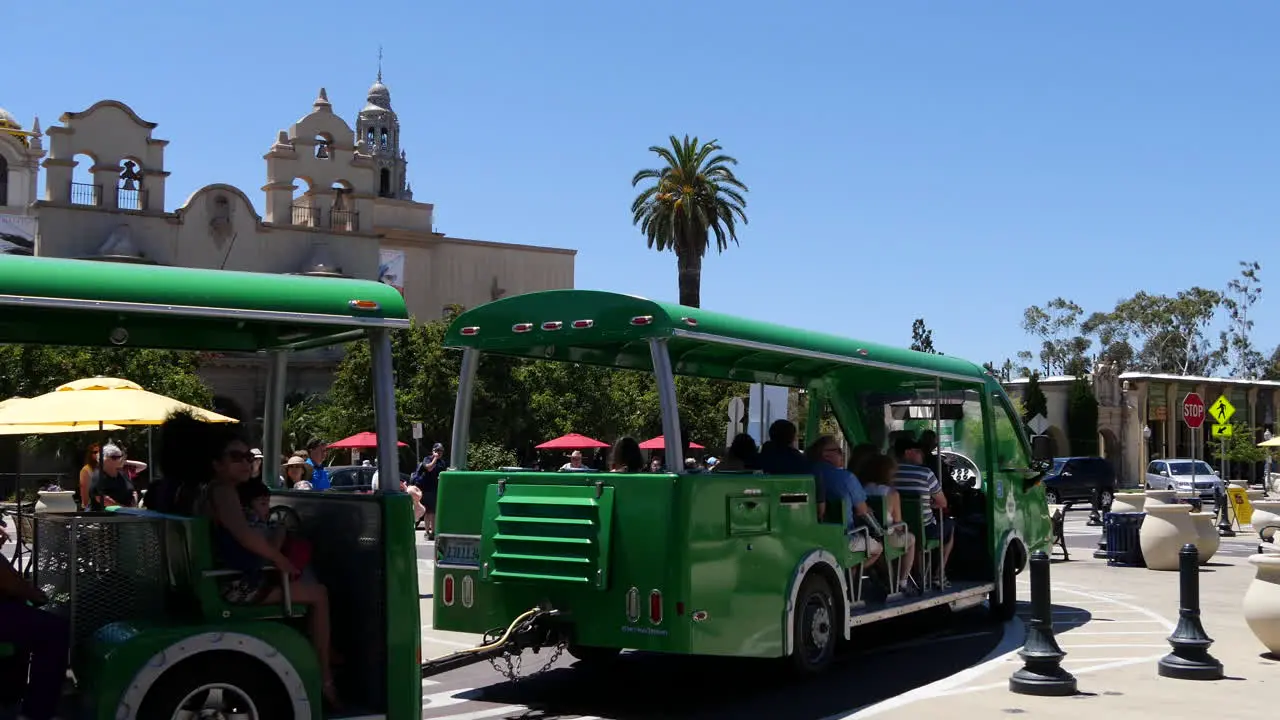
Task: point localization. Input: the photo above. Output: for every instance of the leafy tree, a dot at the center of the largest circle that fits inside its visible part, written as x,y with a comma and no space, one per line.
490,456
694,196
1033,397
1082,418
304,418
1063,346
1242,294
921,337
1271,367
1241,447
1163,334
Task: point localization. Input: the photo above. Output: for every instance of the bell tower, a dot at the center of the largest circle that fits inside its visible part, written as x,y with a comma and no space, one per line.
379,127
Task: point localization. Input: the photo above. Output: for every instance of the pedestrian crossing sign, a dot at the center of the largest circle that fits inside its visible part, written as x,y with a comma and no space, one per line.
1222,410
1222,431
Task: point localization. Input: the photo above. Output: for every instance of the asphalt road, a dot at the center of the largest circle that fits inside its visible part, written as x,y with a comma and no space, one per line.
881,662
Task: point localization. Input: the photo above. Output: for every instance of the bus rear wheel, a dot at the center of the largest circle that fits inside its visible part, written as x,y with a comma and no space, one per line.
814,626
217,685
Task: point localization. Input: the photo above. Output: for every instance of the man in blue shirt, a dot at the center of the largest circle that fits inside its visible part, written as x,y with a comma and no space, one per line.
840,484
316,450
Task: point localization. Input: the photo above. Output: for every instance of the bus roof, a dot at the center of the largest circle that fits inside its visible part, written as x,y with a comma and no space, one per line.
612,329
82,302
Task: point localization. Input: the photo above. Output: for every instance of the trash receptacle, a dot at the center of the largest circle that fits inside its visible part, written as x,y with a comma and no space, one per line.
1123,546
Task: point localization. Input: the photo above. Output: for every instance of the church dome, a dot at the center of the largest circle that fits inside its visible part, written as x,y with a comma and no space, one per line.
7,120
380,96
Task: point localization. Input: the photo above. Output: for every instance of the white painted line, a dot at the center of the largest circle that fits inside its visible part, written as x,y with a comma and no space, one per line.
486,713
450,643
449,697
1073,633
1110,645
1075,671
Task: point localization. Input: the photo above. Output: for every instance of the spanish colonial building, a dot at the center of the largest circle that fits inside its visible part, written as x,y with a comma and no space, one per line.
338,203
1140,414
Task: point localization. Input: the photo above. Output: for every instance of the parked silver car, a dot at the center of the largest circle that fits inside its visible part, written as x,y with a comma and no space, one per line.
1185,475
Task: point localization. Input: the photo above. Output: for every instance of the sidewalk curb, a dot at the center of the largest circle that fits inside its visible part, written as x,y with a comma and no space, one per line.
1014,635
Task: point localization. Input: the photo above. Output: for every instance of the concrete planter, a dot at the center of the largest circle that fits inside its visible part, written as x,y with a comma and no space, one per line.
1207,538
1265,512
1160,497
1129,502
59,501
1262,601
1164,531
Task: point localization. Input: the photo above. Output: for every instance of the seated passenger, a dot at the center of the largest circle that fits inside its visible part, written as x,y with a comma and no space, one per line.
41,641
575,463
877,473
625,457
827,460
858,457
913,477
297,473
780,456
222,463
742,456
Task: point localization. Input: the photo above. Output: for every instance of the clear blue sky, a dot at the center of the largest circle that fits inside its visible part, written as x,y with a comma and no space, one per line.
956,161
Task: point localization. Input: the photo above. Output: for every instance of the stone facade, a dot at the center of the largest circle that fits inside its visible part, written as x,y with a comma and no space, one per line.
338,203
1131,403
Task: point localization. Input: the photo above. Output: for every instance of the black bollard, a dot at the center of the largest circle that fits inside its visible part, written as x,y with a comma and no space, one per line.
1041,673
1190,659
1224,514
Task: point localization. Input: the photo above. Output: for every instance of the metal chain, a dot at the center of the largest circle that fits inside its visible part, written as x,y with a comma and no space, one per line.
513,662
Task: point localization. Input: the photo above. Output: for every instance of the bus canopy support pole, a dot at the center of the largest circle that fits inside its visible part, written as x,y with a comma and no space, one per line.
273,417
673,444
384,409
462,408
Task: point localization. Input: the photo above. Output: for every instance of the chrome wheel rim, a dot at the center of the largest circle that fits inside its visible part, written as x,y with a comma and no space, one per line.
217,701
818,629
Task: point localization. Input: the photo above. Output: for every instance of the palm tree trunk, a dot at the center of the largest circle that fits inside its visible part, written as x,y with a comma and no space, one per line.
690,267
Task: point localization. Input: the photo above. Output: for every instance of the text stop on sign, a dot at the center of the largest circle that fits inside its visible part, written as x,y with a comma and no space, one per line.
1193,410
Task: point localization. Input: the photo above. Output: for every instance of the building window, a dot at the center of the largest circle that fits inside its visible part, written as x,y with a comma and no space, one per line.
384,183
384,137
4,181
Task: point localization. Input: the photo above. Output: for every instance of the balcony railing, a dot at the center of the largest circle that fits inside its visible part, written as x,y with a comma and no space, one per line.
131,199
344,220
86,194
306,216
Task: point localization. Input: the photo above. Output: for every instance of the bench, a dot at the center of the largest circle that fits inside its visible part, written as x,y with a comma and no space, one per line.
931,571
195,577
853,561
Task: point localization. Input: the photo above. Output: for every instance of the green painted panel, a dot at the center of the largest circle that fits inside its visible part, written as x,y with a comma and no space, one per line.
613,329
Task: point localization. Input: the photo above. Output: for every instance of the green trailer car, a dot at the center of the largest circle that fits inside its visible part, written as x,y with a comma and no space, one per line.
153,638
721,564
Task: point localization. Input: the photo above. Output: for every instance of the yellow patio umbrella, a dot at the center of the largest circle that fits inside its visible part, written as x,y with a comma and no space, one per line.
98,402
14,402
1273,442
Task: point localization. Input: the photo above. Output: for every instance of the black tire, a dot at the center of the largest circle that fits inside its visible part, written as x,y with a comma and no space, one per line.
815,631
593,656
1051,496
1003,601
1105,497
245,674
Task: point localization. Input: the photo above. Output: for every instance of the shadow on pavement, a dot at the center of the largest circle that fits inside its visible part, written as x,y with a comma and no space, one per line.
881,662
1065,617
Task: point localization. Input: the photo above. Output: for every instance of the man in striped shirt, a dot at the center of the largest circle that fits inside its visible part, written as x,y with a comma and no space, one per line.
915,477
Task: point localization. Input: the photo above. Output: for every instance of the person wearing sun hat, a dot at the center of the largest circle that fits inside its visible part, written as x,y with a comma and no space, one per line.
296,473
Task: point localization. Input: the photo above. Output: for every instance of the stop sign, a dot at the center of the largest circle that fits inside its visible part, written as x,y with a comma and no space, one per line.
1193,410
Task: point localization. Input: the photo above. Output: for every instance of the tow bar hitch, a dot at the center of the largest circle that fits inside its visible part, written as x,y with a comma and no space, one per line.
531,629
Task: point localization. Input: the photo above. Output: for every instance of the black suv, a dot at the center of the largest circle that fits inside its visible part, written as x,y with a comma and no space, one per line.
1076,479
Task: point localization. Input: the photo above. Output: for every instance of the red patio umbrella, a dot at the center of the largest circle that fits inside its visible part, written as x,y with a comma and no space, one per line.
572,441
359,441
659,444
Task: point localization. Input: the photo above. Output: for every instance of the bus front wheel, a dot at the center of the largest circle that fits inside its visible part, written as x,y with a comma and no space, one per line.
217,684
814,626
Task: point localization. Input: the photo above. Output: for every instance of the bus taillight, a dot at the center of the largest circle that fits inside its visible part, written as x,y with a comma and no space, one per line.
446,594
655,607
583,324
521,327
552,325
642,320
471,330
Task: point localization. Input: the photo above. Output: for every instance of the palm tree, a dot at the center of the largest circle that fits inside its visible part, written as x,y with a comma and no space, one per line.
694,196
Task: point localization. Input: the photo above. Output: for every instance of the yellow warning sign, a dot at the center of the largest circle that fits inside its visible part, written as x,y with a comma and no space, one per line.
1240,505
1221,430
1222,409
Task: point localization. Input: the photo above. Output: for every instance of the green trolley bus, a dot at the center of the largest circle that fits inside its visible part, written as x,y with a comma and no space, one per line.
721,563
153,638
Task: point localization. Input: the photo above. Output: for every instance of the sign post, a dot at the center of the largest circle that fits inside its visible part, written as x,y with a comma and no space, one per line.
1222,410
1193,416
417,442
